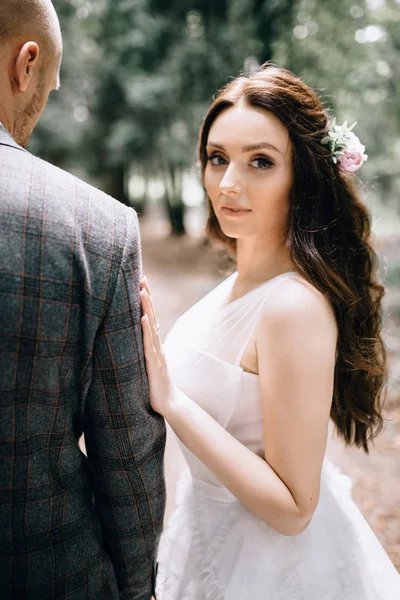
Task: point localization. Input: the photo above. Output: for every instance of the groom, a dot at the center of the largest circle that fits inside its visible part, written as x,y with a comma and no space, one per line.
71,359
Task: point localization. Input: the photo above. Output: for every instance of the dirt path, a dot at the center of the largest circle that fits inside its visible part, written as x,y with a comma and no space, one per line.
180,273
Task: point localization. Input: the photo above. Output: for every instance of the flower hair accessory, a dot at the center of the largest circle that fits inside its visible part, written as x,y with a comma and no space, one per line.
346,149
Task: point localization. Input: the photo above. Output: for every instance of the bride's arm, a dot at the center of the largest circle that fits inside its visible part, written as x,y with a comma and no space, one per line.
296,343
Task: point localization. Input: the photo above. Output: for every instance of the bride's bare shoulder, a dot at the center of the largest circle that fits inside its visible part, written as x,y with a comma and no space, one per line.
296,301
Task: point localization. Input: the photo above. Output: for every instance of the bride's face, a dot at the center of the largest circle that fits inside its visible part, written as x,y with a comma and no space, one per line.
248,176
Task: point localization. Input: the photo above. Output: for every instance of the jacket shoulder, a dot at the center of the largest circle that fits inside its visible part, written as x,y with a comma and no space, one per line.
68,205
68,186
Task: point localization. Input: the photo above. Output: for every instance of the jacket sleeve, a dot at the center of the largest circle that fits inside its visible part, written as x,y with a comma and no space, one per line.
124,437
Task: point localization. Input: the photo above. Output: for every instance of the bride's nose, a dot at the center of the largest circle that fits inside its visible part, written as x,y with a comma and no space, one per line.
230,183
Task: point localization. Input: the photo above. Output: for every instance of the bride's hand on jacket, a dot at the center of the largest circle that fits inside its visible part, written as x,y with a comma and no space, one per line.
161,388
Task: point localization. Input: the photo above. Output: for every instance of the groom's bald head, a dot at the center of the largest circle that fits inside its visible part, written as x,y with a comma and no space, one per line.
35,18
30,55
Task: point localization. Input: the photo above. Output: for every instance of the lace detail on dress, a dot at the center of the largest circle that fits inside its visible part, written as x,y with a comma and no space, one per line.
203,555
208,555
169,571
338,483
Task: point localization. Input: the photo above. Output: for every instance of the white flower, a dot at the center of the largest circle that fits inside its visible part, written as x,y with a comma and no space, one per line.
353,144
346,149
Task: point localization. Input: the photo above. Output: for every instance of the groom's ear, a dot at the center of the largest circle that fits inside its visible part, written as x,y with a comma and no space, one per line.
25,66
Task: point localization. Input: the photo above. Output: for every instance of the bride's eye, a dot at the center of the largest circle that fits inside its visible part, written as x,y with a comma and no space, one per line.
217,160
262,163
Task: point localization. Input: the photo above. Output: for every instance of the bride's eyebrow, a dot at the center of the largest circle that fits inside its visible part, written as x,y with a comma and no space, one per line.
253,147
249,148
215,145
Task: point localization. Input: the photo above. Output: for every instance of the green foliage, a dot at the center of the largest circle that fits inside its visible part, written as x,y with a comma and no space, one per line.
349,50
393,274
138,75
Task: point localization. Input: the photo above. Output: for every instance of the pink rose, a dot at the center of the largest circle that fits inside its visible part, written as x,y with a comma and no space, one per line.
354,155
350,162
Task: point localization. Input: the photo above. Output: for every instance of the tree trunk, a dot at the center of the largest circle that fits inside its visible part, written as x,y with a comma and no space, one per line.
176,215
174,204
114,183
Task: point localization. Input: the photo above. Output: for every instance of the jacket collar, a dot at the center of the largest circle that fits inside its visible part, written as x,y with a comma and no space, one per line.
6,139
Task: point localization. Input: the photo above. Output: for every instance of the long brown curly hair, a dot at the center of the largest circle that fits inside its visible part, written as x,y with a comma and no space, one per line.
329,241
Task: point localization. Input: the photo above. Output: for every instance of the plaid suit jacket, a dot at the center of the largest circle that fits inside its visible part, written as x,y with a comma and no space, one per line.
71,362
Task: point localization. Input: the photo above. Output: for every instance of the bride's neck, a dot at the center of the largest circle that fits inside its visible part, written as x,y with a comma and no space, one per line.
257,262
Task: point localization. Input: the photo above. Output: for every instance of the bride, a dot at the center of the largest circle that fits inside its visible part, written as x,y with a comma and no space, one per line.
258,367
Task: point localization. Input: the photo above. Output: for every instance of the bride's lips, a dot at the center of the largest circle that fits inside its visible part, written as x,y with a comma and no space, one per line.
234,211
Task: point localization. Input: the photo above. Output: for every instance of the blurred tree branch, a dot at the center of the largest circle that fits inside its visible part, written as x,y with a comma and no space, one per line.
138,75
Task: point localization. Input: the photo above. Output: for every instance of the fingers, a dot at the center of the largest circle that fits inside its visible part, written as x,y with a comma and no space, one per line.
147,335
144,284
148,312
149,349
146,306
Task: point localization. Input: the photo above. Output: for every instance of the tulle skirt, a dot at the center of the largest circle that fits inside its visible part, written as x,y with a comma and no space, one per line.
215,549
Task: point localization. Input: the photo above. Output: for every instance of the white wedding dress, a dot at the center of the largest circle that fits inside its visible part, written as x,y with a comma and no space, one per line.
213,547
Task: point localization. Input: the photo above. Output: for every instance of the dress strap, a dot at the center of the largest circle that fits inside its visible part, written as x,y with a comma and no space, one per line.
267,288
